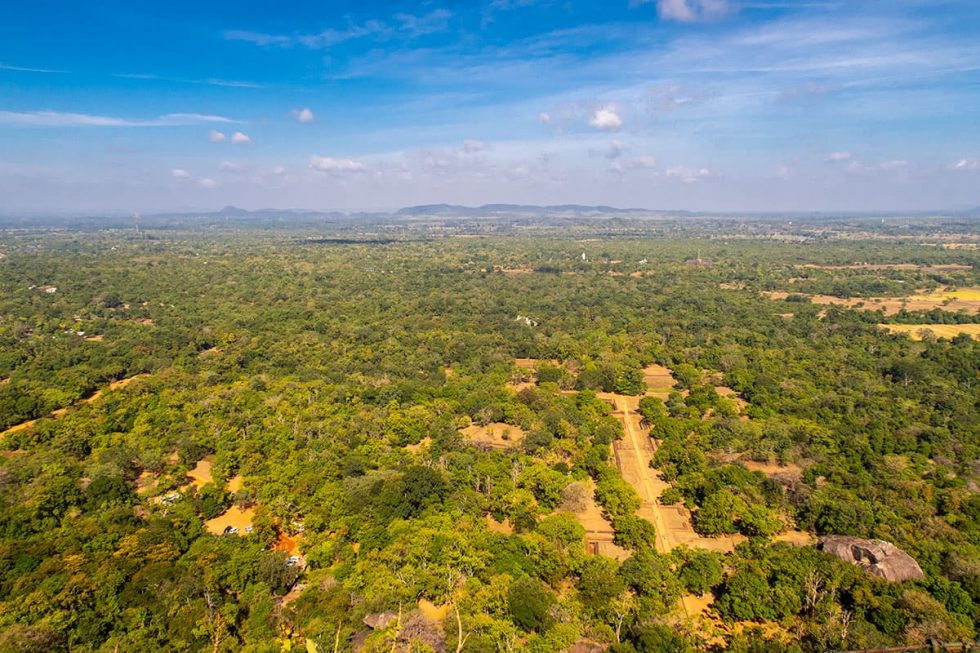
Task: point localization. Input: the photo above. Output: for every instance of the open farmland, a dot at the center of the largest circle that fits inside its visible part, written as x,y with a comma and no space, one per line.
967,299
946,331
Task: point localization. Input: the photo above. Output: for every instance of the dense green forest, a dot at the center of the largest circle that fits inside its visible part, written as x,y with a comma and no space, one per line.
332,381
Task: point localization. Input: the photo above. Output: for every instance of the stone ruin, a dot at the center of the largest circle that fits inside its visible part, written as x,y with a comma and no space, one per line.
875,556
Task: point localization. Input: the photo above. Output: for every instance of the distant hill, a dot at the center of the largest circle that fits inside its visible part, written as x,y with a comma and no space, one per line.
497,210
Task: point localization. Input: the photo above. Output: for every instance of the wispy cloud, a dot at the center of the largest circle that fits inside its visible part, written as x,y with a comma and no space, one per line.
400,26
29,69
62,119
688,175
688,11
239,138
335,166
179,173
211,81
495,6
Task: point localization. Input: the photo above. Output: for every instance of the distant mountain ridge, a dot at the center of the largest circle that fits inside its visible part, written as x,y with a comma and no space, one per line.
498,209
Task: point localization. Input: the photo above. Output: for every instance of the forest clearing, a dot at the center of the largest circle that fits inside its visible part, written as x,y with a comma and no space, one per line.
496,435
113,385
234,520
964,299
945,331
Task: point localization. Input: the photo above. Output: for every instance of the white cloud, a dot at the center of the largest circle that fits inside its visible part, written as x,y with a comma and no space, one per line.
304,115
896,164
544,117
60,119
232,166
688,11
215,136
239,138
335,166
279,171
621,165
840,156
688,175
207,182
967,164
643,162
606,118
180,173
471,146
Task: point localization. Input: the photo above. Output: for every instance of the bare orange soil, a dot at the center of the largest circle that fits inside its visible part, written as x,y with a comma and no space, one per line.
773,470
234,516
658,378
502,527
599,532
292,595
201,474
146,482
235,483
289,544
495,435
796,538
423,443
730,394
697,605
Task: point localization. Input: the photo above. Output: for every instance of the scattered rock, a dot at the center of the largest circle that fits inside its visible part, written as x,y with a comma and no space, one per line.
380,620
875,556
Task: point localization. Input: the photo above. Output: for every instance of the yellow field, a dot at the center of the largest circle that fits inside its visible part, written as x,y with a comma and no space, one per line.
964,299
947,331
962,294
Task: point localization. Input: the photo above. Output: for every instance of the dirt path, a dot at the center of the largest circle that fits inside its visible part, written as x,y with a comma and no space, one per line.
115,385
673,523
633,455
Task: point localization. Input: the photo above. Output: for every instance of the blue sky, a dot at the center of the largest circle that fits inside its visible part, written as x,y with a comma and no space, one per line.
688,104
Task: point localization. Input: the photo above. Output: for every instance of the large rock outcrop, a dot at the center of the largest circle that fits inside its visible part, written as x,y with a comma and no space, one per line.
876,556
